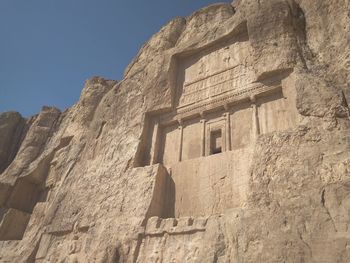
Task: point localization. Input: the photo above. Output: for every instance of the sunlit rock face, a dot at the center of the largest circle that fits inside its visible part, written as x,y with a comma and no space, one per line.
227,141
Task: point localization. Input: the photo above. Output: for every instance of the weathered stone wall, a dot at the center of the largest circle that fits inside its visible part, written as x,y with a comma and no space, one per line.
89,184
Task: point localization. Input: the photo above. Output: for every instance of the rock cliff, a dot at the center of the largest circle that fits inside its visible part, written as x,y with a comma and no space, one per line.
227,140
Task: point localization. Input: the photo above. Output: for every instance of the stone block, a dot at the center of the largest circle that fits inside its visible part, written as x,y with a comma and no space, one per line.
168,224
200,222
43,246
13,224
153,225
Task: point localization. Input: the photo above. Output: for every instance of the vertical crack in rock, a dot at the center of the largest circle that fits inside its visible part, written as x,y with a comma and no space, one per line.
323,202
103,123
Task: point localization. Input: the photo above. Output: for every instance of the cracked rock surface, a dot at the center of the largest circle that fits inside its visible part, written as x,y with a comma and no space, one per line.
73,187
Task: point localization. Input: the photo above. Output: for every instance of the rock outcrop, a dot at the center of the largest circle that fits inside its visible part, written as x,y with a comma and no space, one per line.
226,141
11,128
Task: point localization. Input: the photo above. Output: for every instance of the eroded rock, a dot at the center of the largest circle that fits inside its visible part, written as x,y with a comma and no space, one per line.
226,141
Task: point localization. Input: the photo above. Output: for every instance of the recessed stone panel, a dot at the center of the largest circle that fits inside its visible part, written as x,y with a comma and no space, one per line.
275,112
214,72
211,185
191,139
170,145
242,132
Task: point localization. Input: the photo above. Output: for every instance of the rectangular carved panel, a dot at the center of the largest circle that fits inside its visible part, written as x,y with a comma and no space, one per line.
170,145
214,72
275,113
242,126
229,80
191,140
211,185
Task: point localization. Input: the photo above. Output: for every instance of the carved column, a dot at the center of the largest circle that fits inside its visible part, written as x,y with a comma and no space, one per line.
180,140
228,132
203,121
155,143
256,127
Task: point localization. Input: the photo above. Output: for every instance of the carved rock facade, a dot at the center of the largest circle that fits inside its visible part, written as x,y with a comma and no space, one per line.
226,141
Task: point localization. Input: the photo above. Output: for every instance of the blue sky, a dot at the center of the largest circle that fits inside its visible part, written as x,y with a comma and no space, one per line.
48,48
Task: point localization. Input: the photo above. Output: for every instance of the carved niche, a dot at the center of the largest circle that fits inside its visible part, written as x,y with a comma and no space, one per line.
219,111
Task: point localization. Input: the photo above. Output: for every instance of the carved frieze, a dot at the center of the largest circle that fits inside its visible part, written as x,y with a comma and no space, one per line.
201,89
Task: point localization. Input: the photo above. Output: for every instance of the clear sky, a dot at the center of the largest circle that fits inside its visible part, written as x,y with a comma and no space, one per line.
48,48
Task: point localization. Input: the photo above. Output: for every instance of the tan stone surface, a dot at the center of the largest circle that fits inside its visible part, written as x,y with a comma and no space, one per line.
226,141
11,129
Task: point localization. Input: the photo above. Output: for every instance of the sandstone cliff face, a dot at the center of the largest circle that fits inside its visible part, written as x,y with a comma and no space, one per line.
226,141
11,125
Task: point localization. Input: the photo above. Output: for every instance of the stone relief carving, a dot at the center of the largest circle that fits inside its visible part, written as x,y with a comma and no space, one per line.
220,109
161,232
69,251
201,89
186,225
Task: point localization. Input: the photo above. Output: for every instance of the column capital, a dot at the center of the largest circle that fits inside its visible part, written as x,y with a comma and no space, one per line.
252,99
